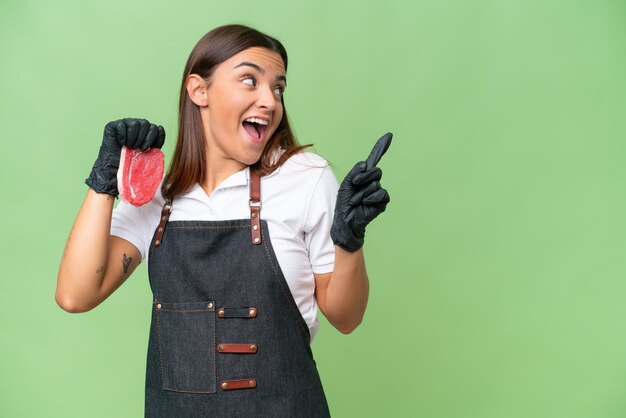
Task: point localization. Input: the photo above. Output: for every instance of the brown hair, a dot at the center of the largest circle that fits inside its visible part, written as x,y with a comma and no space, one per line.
188,164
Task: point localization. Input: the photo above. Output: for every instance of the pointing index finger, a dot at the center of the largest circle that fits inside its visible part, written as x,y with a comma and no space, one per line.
379,150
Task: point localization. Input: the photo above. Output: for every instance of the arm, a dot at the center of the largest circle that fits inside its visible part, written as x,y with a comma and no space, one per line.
95,263
342,295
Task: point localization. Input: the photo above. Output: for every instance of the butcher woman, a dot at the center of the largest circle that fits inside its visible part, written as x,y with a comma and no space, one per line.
248,236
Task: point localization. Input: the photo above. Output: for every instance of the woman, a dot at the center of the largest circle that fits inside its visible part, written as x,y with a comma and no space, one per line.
237,241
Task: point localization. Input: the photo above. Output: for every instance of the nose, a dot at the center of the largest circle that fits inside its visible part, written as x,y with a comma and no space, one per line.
266,98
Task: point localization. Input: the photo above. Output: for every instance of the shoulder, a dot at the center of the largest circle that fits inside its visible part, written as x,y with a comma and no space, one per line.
136,224
297,180
306,163
302,170
309,159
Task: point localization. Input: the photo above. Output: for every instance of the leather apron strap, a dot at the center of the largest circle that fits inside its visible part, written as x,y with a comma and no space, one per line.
165,215
255,206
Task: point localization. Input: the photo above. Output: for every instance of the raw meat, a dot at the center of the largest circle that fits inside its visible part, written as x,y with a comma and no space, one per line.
139,175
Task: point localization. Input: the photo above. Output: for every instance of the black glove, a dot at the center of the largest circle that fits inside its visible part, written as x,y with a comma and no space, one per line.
133,133
360,199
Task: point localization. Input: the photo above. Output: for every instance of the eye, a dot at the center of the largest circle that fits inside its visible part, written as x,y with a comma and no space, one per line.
249,80
279,90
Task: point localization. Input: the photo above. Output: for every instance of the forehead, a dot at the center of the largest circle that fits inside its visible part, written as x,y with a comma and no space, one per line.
267,59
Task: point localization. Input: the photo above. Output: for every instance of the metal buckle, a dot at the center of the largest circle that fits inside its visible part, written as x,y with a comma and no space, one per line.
255,203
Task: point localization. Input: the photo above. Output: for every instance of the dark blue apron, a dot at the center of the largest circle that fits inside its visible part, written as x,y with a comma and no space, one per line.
226,339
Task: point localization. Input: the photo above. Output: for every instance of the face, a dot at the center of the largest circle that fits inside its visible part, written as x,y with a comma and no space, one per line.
243,106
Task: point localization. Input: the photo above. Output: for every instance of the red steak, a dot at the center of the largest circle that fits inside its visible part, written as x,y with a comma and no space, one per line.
139,175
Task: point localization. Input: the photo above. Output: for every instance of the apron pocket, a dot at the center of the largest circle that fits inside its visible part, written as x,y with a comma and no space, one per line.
186,335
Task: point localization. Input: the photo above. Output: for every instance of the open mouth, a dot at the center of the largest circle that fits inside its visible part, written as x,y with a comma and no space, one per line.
255,127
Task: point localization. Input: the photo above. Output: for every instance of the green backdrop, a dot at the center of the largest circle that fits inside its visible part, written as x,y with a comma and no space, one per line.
498,272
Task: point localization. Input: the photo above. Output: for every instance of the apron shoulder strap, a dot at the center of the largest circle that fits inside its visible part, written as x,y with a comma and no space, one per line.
255,206
165,215
255,211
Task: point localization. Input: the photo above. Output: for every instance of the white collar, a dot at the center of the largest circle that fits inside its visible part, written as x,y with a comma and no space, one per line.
239,179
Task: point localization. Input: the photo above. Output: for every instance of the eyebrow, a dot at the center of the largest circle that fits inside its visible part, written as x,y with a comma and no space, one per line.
259,69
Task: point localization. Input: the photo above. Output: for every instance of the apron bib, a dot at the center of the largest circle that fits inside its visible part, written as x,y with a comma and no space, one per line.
226,338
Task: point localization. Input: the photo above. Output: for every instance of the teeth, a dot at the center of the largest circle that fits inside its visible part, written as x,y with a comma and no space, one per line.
257,120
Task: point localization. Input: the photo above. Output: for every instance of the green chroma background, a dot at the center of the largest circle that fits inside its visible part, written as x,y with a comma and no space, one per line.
497,272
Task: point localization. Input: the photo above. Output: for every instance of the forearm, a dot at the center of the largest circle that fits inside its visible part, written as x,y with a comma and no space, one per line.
84,261
347,291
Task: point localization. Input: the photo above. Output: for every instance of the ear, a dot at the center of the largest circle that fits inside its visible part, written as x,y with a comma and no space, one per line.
197,90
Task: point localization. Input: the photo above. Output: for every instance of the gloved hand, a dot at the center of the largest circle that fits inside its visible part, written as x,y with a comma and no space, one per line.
360,199
133,133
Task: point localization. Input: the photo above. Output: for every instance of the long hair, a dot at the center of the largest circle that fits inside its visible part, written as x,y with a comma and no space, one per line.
188,164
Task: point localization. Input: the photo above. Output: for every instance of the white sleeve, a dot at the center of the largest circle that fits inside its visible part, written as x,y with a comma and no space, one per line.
135,224
319,218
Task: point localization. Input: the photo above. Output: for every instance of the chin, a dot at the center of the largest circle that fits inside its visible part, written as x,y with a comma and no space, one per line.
251,159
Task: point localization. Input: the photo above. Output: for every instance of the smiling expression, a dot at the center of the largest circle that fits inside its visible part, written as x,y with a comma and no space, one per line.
243,106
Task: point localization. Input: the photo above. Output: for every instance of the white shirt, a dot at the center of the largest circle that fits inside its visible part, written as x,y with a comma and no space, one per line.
298,201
